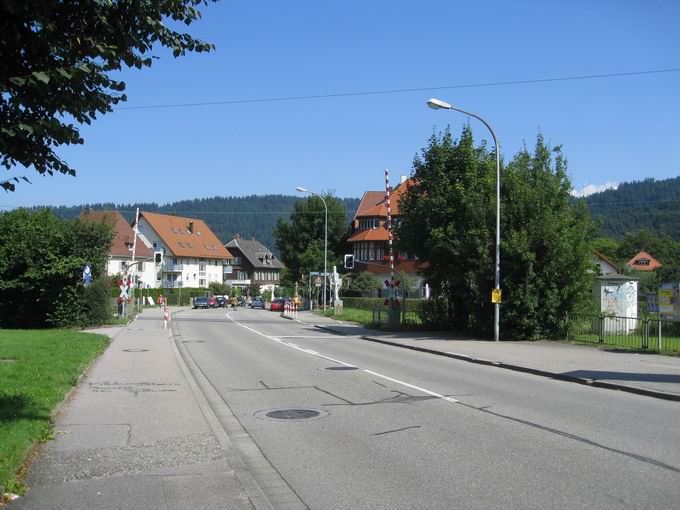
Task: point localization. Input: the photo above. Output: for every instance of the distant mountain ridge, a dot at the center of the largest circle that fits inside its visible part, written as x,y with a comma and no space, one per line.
648,204
249,216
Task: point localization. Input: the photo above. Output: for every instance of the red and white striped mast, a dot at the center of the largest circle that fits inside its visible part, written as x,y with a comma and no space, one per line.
393,313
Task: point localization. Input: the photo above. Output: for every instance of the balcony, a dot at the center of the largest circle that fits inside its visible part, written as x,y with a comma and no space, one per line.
172,268
237,283
177,284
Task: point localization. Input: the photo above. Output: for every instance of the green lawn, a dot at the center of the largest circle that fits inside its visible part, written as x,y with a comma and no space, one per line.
37,369
365,318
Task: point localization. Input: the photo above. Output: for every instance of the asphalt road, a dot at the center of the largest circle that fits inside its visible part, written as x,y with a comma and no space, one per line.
403,429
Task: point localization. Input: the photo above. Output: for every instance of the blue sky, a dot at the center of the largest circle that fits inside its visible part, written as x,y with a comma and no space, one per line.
612,130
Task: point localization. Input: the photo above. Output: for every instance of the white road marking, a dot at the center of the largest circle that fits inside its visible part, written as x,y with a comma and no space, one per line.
397,381
318,355
302,336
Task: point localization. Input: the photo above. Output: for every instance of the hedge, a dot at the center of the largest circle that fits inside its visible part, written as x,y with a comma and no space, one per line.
362,303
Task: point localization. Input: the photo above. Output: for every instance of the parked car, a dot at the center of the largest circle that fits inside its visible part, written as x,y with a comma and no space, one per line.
277,305
201,302
257,302
212,302
221,301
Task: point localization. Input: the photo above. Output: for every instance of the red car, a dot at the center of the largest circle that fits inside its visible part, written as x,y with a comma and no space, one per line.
277,305
212,303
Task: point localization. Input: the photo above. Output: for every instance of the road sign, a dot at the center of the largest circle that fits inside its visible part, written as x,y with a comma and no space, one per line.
665,298
87,275
317,281
496,296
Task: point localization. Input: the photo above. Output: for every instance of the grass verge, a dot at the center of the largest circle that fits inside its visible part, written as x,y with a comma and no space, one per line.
365,318
37,369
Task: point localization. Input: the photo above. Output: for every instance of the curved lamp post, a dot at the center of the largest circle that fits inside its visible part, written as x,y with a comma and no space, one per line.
438,104
325,239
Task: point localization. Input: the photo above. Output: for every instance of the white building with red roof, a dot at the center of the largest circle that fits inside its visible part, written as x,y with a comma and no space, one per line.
193,255
121,251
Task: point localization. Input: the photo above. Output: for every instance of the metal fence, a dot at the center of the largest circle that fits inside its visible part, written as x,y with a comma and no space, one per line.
406,317
648,333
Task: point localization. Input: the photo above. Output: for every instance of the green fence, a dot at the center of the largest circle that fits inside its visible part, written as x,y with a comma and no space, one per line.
406,317
649,333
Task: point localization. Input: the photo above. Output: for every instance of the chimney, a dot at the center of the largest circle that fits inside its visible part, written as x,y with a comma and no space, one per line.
402,179
191,227
237,237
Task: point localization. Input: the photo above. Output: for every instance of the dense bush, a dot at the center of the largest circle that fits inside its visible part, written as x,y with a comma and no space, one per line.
362,303
434,313
41,263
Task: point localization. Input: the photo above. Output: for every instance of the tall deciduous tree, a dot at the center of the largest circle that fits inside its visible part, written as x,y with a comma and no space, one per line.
301,241
449,220
41,263
57,60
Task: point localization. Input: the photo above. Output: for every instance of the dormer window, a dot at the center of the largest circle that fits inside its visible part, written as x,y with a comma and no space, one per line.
642,262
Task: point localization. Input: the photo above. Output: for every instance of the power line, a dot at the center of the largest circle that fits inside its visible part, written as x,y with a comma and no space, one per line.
398,91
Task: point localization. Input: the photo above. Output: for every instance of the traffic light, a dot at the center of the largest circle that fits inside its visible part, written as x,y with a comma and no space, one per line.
158,258
349,261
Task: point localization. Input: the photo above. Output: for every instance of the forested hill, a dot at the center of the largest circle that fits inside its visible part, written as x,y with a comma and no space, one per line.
648,204
250,216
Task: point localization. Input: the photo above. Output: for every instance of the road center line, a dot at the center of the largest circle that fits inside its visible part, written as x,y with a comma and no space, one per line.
318,355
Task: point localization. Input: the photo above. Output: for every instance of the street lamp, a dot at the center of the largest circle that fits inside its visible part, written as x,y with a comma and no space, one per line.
325,239
438,104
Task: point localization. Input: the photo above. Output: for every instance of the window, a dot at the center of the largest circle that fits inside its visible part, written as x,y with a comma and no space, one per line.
201,282
371,251
642,262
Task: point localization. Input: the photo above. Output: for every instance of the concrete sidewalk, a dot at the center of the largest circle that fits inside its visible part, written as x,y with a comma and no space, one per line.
647,374
134,435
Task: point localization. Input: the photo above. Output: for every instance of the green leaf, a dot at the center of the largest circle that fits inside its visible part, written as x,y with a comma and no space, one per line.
17,80
41,76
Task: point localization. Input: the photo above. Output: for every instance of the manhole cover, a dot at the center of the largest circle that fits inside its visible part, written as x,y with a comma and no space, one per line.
341,368
135,350
292,414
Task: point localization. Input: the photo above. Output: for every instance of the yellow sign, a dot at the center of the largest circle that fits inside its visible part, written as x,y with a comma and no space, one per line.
665,300
496,296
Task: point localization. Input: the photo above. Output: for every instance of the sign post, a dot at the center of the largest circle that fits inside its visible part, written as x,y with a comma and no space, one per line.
87,275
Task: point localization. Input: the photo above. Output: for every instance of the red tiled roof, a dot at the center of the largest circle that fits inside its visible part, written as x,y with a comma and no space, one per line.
177,236
606,259
368,201
372,234
374,204
124,237
653,263
407,266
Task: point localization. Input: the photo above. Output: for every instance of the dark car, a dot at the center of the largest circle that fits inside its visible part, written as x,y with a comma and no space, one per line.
201,302
277,305
221,301
257,302
212,302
